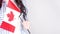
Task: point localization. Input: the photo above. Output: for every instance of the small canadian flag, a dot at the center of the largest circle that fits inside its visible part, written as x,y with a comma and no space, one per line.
11,20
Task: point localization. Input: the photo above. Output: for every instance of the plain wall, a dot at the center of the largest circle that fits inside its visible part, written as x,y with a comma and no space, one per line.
44,16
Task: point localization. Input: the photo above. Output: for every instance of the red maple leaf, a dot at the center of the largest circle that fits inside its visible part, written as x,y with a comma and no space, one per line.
10,16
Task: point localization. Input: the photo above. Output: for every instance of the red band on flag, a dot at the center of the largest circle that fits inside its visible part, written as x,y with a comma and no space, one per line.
13,6
8,27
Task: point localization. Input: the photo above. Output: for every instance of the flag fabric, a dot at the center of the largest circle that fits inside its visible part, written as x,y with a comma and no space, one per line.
11,21
7,26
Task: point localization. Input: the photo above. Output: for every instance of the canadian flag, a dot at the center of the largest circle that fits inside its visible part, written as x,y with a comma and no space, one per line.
11,22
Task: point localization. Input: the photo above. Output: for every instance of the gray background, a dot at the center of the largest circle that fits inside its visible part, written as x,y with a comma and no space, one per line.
44,16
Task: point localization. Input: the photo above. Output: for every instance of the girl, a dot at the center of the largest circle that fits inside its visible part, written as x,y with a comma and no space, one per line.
24,23
20,5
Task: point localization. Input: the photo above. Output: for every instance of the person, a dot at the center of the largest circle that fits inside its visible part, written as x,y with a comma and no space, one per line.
24,19
25,23
20,5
